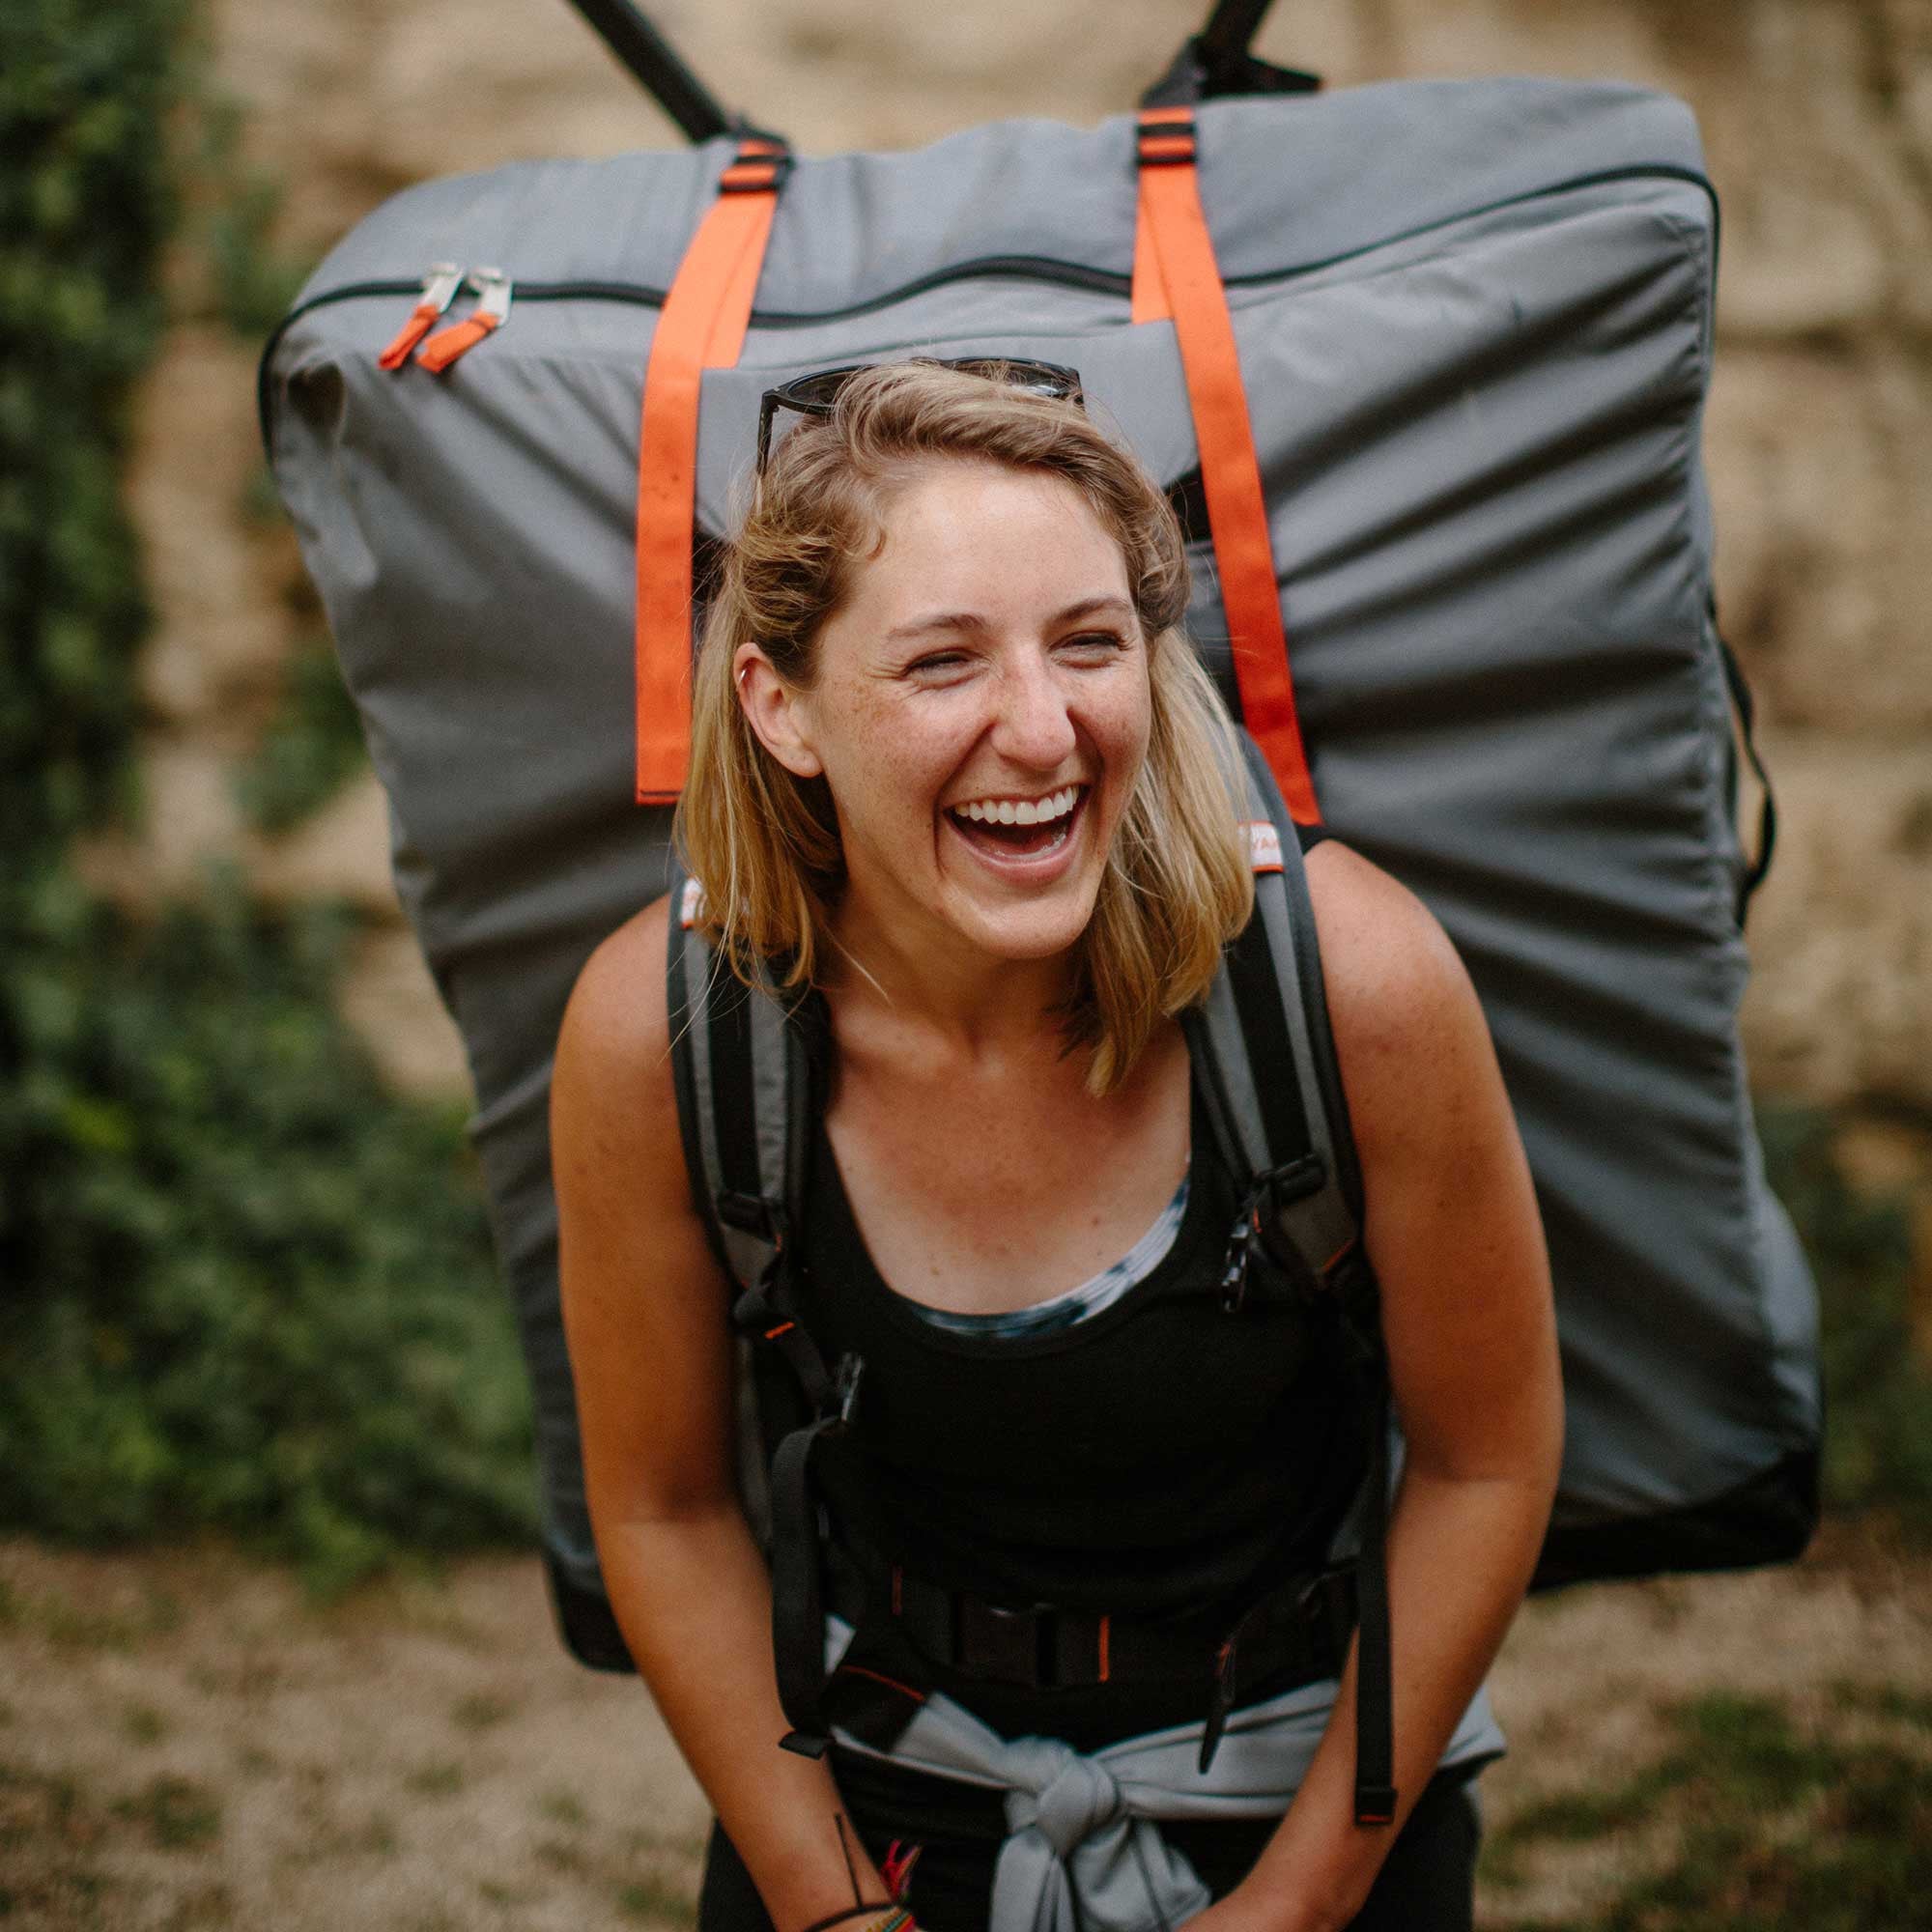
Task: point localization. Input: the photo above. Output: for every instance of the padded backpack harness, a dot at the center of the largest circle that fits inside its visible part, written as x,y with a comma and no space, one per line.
742,1079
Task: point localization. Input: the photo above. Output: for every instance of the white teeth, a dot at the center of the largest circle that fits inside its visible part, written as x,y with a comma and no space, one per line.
1021,812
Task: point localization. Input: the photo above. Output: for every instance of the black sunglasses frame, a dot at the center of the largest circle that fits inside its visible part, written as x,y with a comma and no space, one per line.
818,394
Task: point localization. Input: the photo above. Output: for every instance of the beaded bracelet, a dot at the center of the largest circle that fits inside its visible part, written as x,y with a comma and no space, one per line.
892,1918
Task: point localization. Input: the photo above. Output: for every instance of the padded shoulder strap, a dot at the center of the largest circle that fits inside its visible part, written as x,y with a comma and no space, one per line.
739,1067
1268,1053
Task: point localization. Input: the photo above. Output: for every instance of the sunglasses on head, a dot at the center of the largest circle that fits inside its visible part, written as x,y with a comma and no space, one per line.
815,394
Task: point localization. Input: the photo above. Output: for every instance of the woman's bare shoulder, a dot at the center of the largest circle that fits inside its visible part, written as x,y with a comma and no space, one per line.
1408,1029
612,1102
617,1005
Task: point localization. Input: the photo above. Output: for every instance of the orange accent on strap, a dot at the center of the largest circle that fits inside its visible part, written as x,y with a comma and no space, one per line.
422,319
1173,221
1150,300
783,1327
701,326
447,344
891,1682
1166,117
1166,147
1338,1254
1106,1660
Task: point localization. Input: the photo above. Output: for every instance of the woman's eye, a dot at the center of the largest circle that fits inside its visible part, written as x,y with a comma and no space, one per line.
1095,643
937,665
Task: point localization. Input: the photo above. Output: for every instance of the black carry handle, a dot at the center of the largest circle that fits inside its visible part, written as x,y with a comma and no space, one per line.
1231,30
654,61
1216,62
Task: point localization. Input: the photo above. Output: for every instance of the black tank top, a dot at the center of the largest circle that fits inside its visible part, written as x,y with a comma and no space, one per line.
1162,1457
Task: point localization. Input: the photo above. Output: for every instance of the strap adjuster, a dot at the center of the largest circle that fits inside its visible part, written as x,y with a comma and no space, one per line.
1166,137
1374,1803
761,167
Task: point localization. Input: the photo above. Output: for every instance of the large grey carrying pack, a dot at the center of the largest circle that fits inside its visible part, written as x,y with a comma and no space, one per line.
1475,326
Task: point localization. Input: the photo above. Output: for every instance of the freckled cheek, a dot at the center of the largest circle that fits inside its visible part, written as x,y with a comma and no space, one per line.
883,769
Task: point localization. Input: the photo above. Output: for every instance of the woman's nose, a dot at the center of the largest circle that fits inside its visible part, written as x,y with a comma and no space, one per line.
1034,727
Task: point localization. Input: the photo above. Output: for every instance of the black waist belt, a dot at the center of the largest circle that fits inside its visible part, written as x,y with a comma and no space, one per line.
1294,1634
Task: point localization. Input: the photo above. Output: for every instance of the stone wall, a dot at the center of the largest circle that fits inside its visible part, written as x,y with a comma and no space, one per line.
1818,118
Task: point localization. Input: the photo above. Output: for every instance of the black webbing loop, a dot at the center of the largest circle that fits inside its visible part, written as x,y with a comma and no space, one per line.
798,1566
650,57
798,1591
1767,819
1216,62
763,1314
1375,1663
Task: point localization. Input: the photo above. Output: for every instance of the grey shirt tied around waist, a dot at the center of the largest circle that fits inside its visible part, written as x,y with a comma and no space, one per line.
1086,1826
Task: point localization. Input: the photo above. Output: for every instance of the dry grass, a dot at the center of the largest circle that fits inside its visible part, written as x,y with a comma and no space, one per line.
186,1743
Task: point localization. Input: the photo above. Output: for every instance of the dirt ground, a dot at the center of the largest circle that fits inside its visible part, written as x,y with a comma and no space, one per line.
186,1743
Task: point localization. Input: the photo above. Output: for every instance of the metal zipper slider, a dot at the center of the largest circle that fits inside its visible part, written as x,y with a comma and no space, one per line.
491,311
438,291
1240,1244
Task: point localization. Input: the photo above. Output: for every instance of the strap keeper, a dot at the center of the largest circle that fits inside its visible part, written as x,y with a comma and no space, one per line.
1166,137
761,167
1374,1803
750,1214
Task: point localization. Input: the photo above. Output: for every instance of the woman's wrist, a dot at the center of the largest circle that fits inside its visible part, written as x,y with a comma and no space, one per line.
880,1915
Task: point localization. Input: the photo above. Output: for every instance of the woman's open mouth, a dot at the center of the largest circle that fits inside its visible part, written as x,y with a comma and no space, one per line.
1008,828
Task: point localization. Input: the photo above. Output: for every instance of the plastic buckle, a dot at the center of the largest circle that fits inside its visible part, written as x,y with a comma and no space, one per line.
1012,1646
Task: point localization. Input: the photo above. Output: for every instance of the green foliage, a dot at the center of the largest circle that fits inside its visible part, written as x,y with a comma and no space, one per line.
245,1288
85,203
1878,1394
311,747
1762,1820
252,279
261,1292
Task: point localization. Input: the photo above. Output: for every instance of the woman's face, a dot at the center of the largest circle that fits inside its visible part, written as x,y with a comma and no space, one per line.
980,714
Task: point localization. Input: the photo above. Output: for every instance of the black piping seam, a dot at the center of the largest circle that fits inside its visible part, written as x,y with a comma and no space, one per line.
1015,268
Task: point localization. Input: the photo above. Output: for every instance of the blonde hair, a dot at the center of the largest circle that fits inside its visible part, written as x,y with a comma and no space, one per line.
1176,886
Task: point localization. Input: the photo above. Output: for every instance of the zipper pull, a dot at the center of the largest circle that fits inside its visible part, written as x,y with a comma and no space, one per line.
438,291
491,311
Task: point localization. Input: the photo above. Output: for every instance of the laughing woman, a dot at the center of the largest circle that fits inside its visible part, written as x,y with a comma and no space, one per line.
960,784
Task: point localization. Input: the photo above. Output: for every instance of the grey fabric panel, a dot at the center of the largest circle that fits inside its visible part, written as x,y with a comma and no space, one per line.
1476,405
1288,183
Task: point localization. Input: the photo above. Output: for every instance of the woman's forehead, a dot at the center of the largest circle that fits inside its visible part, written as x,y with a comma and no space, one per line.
986,532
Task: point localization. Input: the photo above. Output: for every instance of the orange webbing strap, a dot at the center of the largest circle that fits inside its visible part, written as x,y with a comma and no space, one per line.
701,326
1175,274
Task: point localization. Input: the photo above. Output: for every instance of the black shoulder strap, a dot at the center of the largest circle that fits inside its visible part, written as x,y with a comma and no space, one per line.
1275,1094
742,1076
1262,1041
739,1065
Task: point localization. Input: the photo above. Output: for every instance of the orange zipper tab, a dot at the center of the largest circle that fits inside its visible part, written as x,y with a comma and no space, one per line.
438,291
491,311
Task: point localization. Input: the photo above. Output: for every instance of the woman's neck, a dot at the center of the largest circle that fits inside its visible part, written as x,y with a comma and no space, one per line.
967,1004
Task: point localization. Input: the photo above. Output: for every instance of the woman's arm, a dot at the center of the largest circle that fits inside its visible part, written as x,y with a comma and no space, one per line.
645,1309
1452,1227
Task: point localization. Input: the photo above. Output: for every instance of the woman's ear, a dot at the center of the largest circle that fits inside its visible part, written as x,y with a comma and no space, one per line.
775,711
